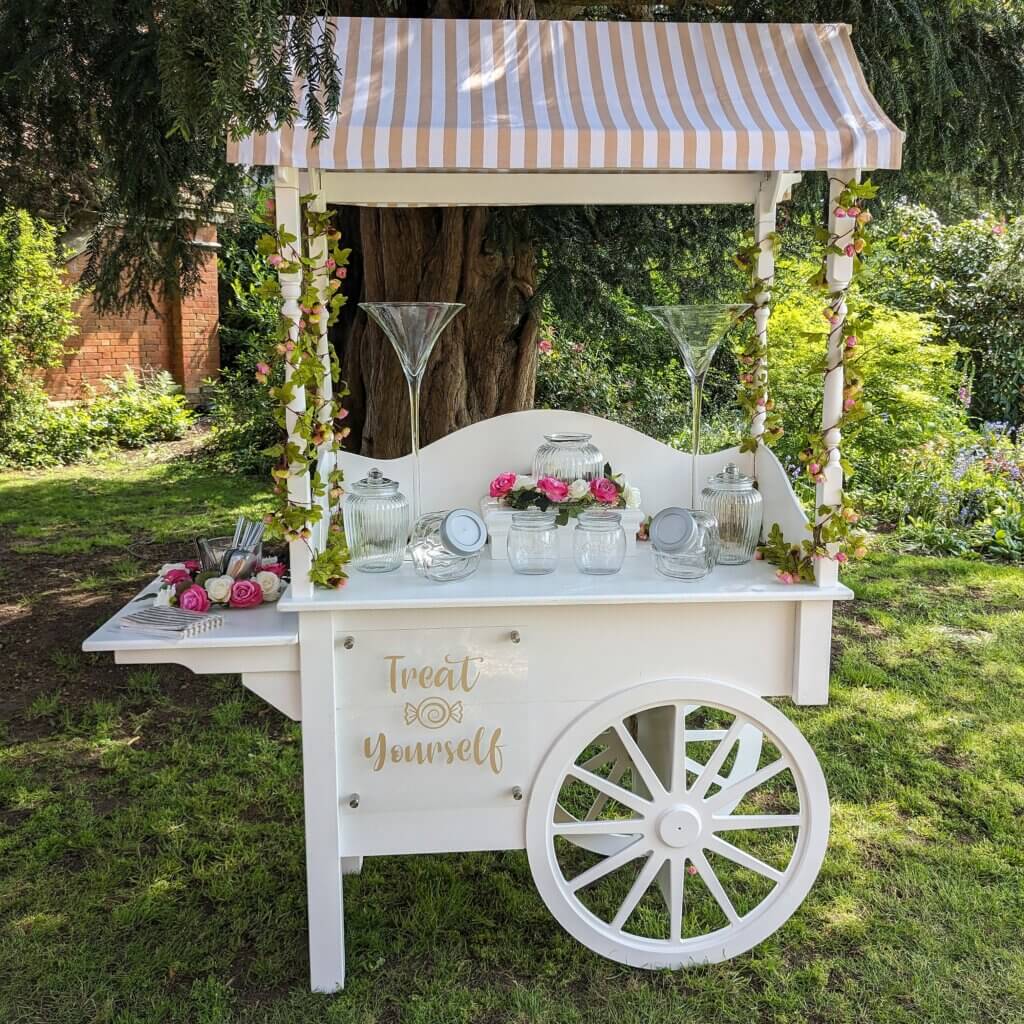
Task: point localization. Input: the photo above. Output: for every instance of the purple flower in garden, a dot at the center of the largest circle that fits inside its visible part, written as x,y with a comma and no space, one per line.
964,394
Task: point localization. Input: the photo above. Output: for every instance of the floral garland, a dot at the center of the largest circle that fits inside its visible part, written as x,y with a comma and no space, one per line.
752,353
192,590
520,492
320,424
834,524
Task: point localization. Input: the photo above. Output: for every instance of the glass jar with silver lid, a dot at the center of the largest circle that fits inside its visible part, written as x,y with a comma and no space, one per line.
568,457
684,542
599,542
533,542
446,546
376,517
732,498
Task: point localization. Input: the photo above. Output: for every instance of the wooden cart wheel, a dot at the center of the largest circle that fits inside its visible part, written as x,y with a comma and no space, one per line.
700,853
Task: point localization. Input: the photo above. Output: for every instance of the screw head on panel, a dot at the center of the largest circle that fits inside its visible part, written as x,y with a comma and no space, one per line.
354,801
514,636
517,792
348,643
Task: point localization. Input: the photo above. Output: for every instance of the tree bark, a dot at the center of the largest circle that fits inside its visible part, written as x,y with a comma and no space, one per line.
485,362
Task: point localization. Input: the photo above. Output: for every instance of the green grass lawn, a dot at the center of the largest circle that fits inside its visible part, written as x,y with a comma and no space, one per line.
151,847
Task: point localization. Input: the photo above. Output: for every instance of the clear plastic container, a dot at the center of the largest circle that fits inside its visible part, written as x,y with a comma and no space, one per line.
568,457
732,498
446,546
599,542
376,517
685,543
533,542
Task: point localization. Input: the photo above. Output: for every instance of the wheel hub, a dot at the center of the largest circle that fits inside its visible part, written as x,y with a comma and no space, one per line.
679,826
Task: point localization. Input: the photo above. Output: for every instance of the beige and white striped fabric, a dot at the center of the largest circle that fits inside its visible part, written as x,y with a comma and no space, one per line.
440,95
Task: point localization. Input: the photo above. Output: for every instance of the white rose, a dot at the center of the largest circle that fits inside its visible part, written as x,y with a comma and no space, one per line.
524,483
270,584
631,495
218,589
163,597
579,489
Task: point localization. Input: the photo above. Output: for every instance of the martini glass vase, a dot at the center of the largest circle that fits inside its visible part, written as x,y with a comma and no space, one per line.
697,332
413,329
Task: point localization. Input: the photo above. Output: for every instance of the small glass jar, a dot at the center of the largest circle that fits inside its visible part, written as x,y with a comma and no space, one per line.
568,457
685,543
446,546
599,542
376,517
533,542
732,498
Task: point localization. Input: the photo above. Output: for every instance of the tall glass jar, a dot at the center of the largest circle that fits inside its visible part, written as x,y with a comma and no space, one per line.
446,545
533,542
685,543
599,542
376,517
568,457
732,498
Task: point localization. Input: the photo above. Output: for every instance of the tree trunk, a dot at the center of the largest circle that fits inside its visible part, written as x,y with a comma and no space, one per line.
484,364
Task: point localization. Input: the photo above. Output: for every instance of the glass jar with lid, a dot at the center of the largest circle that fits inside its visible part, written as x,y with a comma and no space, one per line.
568,457
685,543
376,517
533,542
446,546
599,542
732,498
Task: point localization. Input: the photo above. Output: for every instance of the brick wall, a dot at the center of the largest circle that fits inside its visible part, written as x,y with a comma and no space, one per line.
180,337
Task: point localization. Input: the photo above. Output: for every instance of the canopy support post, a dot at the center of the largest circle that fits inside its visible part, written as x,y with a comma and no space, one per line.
838,275
768,195
289,217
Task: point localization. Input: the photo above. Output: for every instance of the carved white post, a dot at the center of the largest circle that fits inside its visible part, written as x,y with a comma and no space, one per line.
289,216
764,225
838,274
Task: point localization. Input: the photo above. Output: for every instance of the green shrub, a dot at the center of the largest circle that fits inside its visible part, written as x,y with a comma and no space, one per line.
134,411
242,414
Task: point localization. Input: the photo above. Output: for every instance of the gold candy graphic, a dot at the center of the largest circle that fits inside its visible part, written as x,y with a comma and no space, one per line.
433,712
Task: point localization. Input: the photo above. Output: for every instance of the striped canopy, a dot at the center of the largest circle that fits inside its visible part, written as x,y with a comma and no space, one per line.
440,95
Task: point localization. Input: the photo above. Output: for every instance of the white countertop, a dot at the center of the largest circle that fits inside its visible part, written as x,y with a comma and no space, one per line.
495,584
264,626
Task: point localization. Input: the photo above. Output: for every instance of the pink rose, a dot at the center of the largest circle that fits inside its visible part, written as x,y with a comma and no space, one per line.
545,345
277,568
841,558
850,251
604,491
192,564
502,484
263,368
552,489
784,577
194,599
245,594
852,211
174,576
849,403
341,273
840,211
270,206
275,259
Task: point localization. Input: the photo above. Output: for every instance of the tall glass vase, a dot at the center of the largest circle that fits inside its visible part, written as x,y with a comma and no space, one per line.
413,329
697,331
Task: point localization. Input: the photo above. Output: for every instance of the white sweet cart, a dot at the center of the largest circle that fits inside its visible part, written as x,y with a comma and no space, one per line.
616,728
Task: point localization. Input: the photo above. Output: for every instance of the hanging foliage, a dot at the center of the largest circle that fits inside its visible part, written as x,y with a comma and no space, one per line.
318,425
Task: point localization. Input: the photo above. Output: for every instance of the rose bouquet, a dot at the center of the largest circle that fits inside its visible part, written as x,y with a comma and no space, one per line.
567,499
187,587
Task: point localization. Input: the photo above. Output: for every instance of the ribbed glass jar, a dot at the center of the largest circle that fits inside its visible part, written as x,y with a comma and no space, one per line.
376,517
568,457
599,542
684,550
446,546
533,542
732,498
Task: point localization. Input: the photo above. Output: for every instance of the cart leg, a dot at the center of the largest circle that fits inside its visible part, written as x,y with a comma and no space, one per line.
321,799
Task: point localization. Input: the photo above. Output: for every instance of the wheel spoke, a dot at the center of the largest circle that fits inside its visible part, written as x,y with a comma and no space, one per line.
603,827
633,801
740,821
714,764
704,735
710,879
609,752
744,859
636,891
680,737
615,775
693,765
734,793
676,877
640,763
607,866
